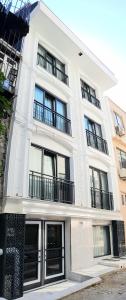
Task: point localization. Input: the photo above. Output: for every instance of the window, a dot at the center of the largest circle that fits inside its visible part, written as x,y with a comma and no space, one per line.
50,110
119,126
101,240
94,135
49,163
49,177
51,64
100,195
93,127
123,199
98,179
122,158
89,94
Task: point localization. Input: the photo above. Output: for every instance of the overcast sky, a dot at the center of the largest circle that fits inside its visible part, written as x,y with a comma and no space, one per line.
101,24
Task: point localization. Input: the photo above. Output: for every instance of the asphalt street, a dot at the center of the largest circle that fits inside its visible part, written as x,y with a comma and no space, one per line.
112,287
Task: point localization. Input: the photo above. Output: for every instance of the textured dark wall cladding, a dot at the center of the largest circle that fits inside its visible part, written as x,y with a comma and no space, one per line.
118,238
12,228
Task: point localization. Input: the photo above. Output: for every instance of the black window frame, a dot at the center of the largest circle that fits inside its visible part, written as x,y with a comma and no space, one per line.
122,161
101,198
94,135
94,126
54,63
100,172
55,157
58,120
109,240
86,91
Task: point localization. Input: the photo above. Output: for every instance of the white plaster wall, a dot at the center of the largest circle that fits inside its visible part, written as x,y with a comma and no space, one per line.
81,244
26,130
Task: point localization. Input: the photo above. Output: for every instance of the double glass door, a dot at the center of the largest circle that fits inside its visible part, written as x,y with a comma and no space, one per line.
43,253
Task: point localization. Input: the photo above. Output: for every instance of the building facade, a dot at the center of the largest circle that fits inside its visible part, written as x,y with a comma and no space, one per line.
118,129
61,208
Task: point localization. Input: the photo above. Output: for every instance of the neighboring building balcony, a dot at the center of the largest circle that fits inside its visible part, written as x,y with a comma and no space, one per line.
96,142
50,117
92,99
9,67
50,188
101,199
52,68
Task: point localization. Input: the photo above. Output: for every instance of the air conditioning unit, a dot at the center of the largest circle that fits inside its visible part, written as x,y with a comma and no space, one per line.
122,173
120,131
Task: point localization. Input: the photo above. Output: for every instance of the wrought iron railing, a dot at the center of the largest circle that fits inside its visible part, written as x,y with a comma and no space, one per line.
46,115
96,141
90,98
46,64
9,68
44,187
101,199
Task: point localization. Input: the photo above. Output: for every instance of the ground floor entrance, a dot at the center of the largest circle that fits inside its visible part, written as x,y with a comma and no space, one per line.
44,253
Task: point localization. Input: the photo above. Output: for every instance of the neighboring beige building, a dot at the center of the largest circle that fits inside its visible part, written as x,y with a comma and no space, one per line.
118,118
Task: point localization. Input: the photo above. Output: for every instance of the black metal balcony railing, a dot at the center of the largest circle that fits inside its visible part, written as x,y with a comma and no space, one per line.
44,114
101,199
46,64
50,188
96,142
90,98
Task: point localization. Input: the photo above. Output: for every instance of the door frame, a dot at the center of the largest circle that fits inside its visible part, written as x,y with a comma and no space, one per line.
63,249
30,283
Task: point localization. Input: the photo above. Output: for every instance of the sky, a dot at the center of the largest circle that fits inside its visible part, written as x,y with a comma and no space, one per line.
101,25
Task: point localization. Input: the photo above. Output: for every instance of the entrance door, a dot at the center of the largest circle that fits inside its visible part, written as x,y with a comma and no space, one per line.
32,254
54,251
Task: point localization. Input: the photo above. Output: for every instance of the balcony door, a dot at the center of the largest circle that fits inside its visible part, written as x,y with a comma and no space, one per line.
99,187
49,176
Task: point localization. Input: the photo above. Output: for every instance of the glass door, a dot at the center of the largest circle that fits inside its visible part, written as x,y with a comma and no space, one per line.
32,254
54,250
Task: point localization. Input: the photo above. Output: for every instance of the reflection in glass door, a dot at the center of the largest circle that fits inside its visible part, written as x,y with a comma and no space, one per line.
32,253
54,250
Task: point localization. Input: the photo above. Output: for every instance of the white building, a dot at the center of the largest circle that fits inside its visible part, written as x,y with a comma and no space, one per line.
60,172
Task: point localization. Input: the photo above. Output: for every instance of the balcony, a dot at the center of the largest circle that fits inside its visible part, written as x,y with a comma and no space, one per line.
50,188
46,64
101,199
96,142
44,114
90,98
9,61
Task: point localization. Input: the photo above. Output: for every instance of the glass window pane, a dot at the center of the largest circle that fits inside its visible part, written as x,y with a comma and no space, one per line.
48,101
98,130
96,179
91,177
101,239
61,167
60,108
39,94
41,50
48,165
86,123
92,92
35,155
104,181
60,66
